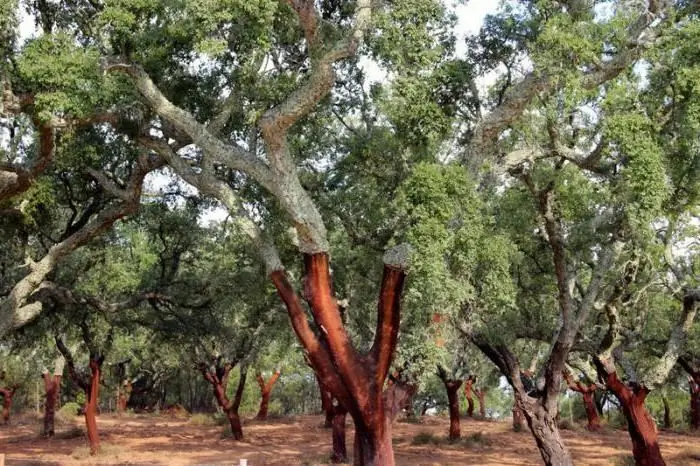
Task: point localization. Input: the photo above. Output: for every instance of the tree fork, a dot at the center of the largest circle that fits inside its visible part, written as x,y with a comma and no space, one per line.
265,392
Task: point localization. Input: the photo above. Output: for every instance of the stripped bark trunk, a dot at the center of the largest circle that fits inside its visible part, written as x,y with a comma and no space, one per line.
588,393
265,392
694,385
92,394
452,387
640,424
7,394
356,380
340,453
218,379
481,396
326,404
52,385
468,394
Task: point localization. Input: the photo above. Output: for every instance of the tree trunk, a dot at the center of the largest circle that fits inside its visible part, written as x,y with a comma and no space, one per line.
7,394
452,387
92,394
356,379
235,422
372,445
468,394
481,396
640,424
591,411
694,384
326,403
544,428
51,387
265,392
340,454
667,413
519,422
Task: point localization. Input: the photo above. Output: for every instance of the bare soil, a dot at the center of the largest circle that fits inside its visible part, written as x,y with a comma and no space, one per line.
150,439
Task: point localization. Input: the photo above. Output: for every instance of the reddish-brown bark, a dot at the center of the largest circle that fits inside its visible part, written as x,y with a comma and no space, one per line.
93,392
452,387
265,392
640,424
340,453
52,385
7,394
326,404
123,393
218,379
694,385
588,393
468,384
481,396
356,380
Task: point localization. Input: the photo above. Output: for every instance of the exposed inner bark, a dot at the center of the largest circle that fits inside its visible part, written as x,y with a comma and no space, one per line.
340,453
217,377
265,392
481,396
640,424
468,384
52,385
588,392
7,394
356,380
694,385
92,392
452,387
326,403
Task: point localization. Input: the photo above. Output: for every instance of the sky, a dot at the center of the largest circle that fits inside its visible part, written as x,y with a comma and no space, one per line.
470,17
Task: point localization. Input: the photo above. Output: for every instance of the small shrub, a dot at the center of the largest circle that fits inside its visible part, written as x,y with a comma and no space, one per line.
476,440
425,438
73,432
67,413
566,424
201,419
107,450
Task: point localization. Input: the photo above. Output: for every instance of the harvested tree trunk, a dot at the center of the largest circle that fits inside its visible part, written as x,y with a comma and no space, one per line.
357,380
640,424
92,393
52,386
468,384
7,394
694,385
218,379
481,396
326,404
588,393
452,387
340,453
265,392
123,394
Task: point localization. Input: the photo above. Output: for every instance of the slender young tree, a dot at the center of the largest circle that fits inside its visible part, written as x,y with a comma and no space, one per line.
588,394
218,375
452,387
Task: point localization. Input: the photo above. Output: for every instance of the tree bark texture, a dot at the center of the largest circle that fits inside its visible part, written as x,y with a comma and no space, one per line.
452,387
481,396
588,393
356,380
265,392
52,386
543,425
640,424
468,384
340,453
326,404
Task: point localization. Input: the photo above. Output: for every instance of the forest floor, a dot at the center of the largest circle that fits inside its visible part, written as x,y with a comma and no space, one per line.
151,439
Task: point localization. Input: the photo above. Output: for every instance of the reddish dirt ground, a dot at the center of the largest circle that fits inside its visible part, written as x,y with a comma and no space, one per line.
149,439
